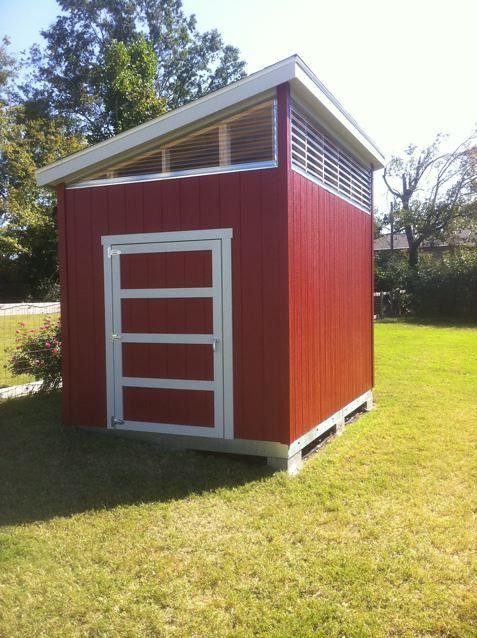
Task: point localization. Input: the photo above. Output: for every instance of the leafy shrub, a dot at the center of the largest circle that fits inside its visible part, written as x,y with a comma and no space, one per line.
447,287
38,352
391,271
442,287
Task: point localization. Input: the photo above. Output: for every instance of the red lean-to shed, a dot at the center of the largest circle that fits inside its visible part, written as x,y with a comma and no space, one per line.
216,270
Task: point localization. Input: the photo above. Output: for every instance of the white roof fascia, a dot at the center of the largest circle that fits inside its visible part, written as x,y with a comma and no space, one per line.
307,85
292,69
198,109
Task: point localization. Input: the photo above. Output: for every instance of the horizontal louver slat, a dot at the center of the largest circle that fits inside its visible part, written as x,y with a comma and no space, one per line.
317,155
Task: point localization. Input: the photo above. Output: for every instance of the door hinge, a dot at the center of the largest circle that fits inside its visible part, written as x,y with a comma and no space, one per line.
115,422
113,251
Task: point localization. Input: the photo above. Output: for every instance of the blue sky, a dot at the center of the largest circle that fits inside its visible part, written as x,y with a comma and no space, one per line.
405,70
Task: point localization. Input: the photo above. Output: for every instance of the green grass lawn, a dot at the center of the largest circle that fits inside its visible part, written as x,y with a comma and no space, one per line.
8,327
375,537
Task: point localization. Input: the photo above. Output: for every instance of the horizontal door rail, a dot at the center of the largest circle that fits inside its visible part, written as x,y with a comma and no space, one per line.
169,247
168,428
167,384
165,293
135,337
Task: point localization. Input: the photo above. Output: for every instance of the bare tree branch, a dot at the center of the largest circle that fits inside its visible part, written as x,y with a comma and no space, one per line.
436,190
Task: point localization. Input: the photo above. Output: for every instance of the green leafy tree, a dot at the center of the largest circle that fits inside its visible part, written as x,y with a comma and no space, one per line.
434,192
8,69
27,212
106,65
69,77
129,93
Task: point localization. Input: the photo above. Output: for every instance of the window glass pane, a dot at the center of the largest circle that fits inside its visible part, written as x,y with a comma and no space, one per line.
251,136
245,138
197,151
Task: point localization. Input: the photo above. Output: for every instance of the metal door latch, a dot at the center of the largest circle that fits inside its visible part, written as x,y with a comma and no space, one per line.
115,421
115,337
215,342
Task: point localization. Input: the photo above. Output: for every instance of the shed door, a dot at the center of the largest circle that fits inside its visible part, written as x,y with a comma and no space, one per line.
167,337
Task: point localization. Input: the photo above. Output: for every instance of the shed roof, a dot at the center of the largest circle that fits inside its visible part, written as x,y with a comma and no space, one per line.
304,84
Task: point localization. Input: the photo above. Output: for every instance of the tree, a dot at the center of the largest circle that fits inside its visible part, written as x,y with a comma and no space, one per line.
129,93
434,192
106,65
27,212
8,68
69,76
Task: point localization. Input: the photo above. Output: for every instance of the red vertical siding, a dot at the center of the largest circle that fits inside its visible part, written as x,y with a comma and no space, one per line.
251,203
330,273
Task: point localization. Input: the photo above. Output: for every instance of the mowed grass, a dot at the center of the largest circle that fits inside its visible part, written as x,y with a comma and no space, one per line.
9,324
374,538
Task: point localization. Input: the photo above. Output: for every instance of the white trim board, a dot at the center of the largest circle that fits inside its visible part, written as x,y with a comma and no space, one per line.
292,70
176,235
273,449
335,419
157,177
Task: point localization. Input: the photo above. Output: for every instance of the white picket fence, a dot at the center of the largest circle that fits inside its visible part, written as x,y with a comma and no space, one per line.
38,308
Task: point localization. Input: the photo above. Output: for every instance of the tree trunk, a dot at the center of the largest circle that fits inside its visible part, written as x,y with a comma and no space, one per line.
413,255
413,248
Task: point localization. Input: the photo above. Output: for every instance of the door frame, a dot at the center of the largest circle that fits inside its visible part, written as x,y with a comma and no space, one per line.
112,247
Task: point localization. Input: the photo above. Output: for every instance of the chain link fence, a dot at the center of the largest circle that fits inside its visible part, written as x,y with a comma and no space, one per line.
15,320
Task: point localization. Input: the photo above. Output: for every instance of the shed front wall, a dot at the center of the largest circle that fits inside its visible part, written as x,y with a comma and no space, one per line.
330,280
254,205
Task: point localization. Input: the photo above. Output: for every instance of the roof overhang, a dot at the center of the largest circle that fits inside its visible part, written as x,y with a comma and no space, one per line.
305,85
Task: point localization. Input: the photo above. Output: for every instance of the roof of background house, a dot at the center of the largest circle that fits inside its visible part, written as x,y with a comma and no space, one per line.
304,83
466,237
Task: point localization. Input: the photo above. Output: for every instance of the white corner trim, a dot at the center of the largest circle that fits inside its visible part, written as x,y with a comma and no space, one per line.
292,70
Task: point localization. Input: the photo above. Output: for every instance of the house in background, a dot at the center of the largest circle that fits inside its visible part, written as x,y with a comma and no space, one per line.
461,239
216,271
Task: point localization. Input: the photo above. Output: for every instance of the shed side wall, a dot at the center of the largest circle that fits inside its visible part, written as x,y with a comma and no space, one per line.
330,281
254,205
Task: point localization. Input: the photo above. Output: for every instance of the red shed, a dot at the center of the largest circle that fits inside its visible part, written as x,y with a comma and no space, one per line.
216,270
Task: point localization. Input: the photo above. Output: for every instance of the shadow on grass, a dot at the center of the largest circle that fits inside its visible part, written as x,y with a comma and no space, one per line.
48,471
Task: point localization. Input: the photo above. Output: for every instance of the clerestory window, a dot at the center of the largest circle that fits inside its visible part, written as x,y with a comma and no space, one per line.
244,140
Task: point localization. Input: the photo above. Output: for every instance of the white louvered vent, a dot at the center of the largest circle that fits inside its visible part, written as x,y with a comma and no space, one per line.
319,157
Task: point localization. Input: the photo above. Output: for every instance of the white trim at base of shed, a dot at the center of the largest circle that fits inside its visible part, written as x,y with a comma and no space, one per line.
279,455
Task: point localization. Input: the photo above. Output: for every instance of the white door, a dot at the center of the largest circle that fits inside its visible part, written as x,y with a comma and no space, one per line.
168,334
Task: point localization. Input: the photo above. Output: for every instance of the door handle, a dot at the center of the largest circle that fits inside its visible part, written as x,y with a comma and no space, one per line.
215,342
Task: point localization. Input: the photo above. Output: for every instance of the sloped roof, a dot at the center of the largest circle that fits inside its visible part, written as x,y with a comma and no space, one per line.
304,84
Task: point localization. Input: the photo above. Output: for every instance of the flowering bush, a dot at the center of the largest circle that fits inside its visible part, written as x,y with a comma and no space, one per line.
38,352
